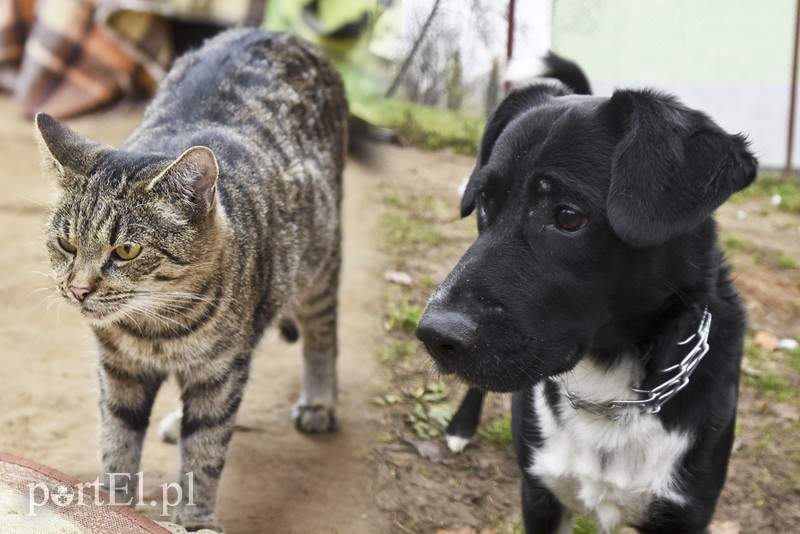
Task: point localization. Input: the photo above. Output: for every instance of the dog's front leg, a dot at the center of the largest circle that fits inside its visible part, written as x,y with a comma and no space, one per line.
542,513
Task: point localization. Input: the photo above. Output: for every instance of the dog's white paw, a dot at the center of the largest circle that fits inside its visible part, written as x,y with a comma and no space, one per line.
456,444
169,429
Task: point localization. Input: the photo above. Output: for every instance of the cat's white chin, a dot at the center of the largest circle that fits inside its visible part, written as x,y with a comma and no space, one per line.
98,316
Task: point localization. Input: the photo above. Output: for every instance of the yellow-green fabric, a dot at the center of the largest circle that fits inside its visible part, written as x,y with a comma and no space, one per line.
345,31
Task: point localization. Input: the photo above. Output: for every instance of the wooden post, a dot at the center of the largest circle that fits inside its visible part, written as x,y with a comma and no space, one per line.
788,170
510,40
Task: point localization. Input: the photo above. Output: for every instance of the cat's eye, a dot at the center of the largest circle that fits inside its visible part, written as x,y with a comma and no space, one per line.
570,219
66,246
126,252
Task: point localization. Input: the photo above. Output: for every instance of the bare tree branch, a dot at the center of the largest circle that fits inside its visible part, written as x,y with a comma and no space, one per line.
404,67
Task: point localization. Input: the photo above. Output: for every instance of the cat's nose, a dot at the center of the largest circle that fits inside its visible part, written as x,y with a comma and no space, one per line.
80,293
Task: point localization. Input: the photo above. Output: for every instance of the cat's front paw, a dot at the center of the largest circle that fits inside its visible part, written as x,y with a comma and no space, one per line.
314,419
194,522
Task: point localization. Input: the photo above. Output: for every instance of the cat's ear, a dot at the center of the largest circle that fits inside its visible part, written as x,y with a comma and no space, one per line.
65,153
192,177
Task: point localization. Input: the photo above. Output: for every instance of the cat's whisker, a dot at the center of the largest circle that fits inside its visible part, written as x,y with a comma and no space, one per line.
53,293
49,301
155,316
46,275
126,315
36,202
39,290
172,295
172,307
169,306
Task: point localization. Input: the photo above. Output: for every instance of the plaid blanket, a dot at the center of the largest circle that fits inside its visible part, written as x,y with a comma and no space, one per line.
67,57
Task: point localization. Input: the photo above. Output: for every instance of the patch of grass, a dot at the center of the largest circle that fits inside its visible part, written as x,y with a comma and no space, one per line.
429,127
794,358
397,349
428,410
408,225
497,431
428,282
732,243
584,525
418,204
517,528
403,316
403,234
794,480
393,200
769,185
775,387
757,257
765,440
786,262
751,349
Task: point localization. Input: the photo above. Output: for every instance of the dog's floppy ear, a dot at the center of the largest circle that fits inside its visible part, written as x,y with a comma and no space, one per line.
672,168
517,102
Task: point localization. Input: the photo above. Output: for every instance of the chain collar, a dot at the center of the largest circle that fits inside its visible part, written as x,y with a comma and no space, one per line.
653,399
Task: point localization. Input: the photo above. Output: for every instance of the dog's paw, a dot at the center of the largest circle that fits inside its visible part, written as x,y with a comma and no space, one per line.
456,444
314,419
169,429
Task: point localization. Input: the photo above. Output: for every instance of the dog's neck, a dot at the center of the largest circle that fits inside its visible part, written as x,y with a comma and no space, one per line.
621,390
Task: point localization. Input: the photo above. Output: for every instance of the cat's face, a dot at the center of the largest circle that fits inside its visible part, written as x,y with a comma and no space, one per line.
128,230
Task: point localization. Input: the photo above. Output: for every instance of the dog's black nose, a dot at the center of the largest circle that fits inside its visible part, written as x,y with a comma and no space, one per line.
447,335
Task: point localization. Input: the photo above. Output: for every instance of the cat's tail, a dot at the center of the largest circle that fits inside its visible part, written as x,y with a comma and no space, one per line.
288,329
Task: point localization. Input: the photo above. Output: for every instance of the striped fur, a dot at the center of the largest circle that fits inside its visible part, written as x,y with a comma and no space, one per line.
232,238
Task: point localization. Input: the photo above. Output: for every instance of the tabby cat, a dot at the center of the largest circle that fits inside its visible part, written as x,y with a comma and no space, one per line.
219,214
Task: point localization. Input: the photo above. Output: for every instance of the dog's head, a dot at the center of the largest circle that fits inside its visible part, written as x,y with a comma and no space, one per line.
595,219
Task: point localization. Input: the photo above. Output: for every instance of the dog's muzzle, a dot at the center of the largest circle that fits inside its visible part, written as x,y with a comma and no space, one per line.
447,336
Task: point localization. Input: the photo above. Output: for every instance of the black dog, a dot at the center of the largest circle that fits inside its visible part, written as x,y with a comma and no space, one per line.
597,292
464,424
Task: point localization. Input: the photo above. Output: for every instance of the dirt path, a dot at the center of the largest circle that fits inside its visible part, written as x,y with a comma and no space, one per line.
276,480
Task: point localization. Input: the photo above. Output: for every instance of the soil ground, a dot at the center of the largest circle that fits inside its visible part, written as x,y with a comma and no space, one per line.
386,469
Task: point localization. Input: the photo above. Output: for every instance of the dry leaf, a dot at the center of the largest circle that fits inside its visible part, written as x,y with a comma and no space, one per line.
768,342
397,277
725,527
789,412
426,449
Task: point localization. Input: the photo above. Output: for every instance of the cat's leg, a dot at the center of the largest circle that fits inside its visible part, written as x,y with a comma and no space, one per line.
211,395
315,410
126,400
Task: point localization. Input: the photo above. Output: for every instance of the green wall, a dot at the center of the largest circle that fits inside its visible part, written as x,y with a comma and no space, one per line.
677,40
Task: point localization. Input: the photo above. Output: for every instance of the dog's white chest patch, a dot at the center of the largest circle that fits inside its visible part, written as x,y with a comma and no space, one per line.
611,470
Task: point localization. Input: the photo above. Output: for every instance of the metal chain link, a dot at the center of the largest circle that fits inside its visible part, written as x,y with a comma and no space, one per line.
656,397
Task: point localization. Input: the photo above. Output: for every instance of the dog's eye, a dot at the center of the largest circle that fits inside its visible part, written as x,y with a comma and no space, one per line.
570,219
482,201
